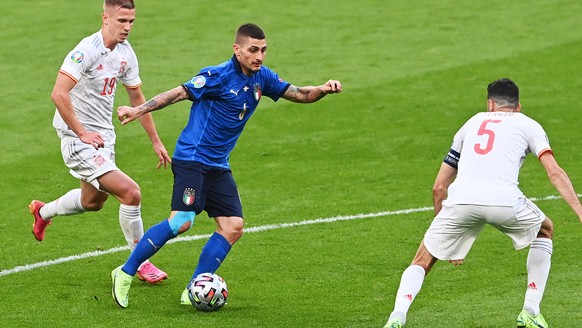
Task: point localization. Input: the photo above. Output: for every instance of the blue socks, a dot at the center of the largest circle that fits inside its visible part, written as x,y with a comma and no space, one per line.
213,254
150,243
211,257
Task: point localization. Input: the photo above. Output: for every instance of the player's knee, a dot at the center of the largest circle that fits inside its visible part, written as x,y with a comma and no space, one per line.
233,230
93,206
547,229
185,227
181,222
132,196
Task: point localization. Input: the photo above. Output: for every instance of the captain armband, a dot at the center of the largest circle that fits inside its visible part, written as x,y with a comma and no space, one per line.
452,158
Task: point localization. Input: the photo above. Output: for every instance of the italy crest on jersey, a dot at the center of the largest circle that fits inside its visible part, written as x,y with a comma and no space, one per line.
189,196
257,91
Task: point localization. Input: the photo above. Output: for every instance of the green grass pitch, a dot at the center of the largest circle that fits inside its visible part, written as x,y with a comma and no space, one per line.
412,73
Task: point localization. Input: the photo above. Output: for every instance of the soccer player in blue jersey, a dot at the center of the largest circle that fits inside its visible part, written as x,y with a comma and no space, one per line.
223,99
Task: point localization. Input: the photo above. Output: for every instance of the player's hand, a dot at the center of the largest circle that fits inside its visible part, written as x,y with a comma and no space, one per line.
162,155
92,138
127,114
332,86
456,262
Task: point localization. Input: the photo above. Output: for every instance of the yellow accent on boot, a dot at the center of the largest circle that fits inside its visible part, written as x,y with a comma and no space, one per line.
185,299
526,320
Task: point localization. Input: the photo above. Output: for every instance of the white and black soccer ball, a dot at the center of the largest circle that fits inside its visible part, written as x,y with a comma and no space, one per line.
208,292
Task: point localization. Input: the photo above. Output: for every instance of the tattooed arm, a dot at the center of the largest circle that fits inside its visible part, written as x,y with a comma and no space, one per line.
311,94
127,114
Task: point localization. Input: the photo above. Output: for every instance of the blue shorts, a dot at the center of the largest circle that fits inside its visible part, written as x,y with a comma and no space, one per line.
199,187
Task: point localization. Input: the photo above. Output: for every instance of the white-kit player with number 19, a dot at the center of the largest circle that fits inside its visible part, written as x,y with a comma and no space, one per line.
484,162
84,94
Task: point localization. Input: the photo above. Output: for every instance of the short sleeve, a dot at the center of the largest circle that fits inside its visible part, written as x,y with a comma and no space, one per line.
77,61
130,68
207,84
537,139
274,86
457,143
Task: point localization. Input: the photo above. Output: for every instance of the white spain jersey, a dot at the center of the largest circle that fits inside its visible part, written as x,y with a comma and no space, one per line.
492,147
97,71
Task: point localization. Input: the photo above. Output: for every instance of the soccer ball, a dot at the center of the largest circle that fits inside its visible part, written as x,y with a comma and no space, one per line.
208,292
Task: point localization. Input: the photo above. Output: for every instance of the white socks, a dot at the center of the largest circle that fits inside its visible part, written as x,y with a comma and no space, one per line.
538,270
410,284
131,224
68,204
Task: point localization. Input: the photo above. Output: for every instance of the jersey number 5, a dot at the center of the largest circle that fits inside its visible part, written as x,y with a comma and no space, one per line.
490,137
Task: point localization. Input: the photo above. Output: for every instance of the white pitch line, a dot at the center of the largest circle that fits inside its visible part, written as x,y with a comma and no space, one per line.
29,267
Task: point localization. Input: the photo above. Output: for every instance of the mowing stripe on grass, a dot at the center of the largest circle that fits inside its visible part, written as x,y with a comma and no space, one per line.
28,267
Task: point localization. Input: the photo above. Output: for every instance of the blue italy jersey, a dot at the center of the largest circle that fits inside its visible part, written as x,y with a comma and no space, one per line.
223,99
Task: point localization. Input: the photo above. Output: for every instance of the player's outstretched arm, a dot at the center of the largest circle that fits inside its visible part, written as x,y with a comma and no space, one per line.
127,114
309,94
561,182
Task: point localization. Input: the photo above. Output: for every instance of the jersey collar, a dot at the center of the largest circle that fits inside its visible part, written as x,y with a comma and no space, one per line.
236,64
103,49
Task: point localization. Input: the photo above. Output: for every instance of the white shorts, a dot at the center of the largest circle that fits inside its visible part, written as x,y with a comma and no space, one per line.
455,228
84,161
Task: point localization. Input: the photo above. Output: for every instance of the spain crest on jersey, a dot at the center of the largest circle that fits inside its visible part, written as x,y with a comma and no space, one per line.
257,91
123,67
189,196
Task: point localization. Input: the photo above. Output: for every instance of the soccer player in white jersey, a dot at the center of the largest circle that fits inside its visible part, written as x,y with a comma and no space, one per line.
479,179
84,93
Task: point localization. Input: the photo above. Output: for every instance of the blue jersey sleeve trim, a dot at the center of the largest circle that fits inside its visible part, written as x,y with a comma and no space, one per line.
190,95
284,90
452,158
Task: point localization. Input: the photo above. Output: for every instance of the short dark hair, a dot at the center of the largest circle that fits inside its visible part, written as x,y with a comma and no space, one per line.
127,4
504,92
249,30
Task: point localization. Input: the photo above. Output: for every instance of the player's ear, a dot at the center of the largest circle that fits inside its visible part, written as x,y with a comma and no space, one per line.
518,107
236,49
490,105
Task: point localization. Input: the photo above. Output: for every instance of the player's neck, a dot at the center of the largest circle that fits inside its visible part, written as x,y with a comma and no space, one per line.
505,109
109,42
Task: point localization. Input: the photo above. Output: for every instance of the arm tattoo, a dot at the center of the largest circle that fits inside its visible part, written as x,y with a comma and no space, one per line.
150,105
162,100
295,93
295,90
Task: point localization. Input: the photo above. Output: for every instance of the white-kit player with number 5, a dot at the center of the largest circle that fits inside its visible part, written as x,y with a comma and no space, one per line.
84,94
479,179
